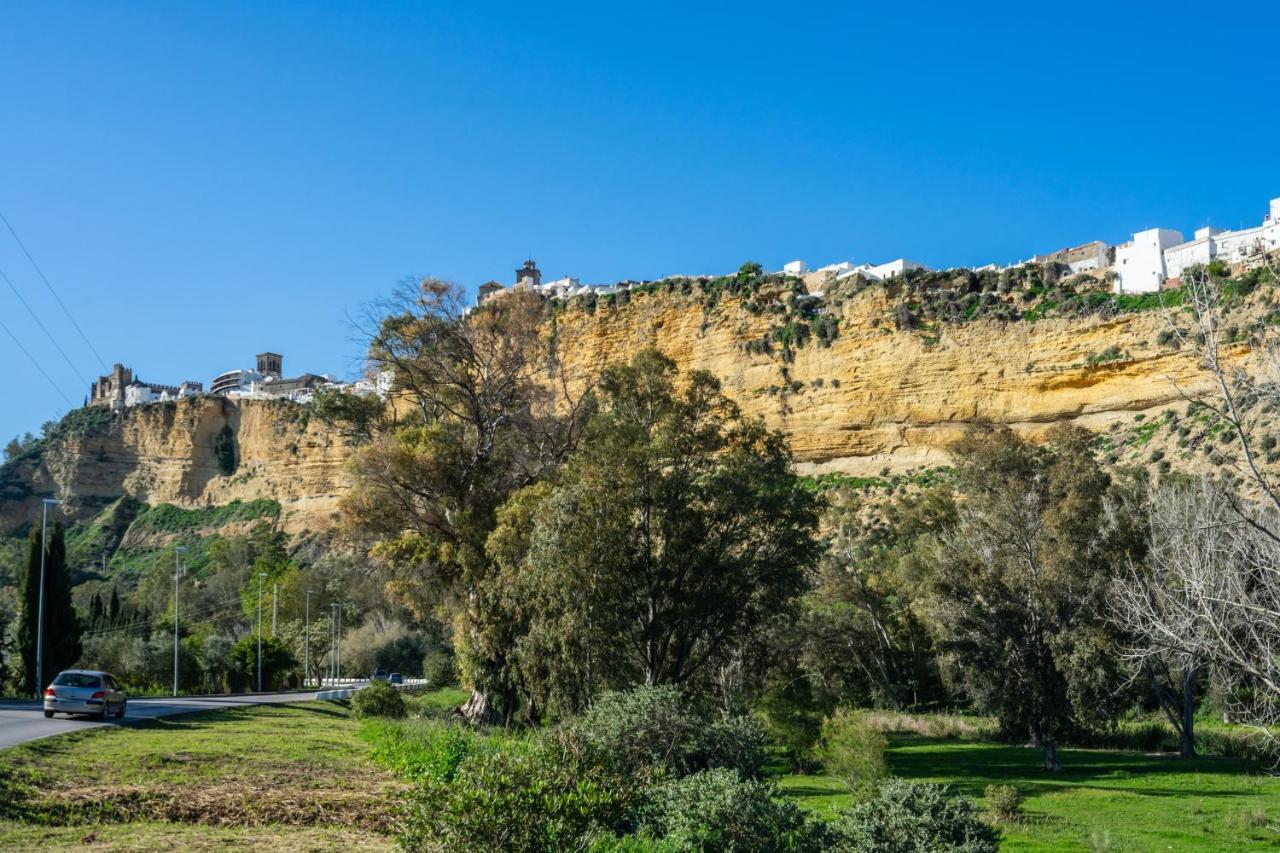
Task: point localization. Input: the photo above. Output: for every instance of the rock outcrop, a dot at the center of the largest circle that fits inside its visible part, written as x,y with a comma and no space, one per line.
875,398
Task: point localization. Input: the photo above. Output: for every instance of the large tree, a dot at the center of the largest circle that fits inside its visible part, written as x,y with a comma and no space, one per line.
61,626
483,410
864,642
676,530
1019,583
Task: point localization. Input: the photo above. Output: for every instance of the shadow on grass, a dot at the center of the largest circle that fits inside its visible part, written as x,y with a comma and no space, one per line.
970,767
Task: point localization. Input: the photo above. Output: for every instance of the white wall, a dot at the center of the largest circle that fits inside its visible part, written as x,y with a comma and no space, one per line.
1140,262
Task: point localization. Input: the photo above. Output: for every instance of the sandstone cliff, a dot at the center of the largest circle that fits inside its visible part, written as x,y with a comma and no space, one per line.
164,453
876,397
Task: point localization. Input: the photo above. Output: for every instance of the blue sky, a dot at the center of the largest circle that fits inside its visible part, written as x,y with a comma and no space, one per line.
201,182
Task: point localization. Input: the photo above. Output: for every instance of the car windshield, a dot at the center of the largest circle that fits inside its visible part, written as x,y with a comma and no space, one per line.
77,679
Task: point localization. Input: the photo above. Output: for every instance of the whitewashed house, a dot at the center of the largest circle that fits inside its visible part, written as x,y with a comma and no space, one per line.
1140,266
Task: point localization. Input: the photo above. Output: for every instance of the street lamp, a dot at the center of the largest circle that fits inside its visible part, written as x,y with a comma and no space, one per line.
179,550
306,640
44,530
337,640
261,575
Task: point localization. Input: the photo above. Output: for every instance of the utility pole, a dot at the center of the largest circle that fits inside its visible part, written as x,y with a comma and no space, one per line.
261,575
44,548
177,552
306,640
275,607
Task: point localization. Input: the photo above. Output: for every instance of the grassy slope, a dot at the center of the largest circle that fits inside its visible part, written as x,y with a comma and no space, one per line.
278,777
1102,800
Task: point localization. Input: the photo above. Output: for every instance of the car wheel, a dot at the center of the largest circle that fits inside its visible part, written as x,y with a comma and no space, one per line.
120,713
103,714
48,714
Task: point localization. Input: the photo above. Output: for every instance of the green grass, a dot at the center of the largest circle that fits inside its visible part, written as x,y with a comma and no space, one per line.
270,766
1101,800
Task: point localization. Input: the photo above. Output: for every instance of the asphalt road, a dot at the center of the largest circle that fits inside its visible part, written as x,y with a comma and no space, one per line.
24,721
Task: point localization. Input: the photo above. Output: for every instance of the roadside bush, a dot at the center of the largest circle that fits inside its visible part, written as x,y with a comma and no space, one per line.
379,699
909,817
715,810
736,743
277,661
646,729
852,750
513,800
420,750
1004,803
440,667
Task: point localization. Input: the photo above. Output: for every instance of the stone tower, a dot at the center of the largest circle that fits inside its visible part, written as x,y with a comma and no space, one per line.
528,274
270,364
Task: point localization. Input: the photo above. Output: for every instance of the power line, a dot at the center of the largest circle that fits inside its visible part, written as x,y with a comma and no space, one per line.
102,361
47,333
36,364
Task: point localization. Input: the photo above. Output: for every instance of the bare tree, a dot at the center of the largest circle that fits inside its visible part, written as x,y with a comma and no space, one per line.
1208,594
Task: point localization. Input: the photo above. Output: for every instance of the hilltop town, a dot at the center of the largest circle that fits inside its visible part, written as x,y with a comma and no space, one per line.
121,389
1152,259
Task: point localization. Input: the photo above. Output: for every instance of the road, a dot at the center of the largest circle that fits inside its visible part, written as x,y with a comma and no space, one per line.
24,721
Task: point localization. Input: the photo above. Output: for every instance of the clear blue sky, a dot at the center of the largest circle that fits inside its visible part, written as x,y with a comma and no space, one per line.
204,181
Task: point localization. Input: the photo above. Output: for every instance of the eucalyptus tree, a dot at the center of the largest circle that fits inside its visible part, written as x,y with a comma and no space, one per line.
1019,582
674,533
481,408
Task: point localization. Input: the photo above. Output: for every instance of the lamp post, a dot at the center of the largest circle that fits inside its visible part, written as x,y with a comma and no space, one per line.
306,640
336,611
177,552
261,575
44,531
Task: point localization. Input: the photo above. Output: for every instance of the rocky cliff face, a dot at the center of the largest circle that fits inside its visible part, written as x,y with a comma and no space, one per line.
878,397
164,453
875,398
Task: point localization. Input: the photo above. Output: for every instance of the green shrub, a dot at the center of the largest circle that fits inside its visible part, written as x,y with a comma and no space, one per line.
440,667
513,800
853,751
908,817
379,699
1004,803
420,750
715,810
648,728
224,451
735,743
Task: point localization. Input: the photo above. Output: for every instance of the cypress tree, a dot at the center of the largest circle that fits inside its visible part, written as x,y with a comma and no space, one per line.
61,626
95,609
115,605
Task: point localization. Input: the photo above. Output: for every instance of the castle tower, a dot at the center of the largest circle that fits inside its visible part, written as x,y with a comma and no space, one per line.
270,364
529,274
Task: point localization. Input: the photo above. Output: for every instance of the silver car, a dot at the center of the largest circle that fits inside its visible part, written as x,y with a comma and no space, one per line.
84,691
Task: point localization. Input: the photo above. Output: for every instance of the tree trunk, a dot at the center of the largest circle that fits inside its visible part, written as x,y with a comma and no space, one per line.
1188,711
1051,762
478,711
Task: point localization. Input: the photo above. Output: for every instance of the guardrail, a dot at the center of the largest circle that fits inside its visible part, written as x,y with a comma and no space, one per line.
344,688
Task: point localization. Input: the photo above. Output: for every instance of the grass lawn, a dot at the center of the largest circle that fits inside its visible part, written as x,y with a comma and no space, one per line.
271,776
1101,800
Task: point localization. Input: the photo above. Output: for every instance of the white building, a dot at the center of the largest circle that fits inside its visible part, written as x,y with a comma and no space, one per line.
796,267
894,268
1230,247
1140,266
